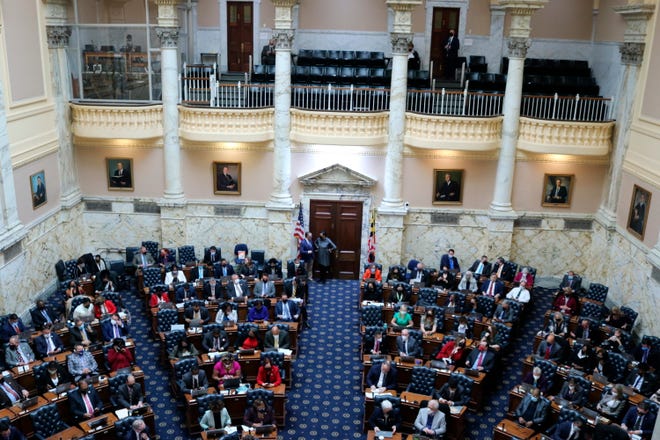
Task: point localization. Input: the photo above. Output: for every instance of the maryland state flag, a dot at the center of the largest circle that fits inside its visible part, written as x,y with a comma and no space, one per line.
371,244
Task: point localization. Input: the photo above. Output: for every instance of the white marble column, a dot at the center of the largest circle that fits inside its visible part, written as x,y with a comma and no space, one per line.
168,33
632,54
496,40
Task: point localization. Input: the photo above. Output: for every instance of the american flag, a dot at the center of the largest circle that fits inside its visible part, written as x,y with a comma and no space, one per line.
299,227
371,244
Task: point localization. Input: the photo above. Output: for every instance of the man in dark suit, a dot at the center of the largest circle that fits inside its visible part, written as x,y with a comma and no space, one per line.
407,346
10,391
139,431
481,267
570,280
268,53
199,272
85,402
194,379
385,418
558,193
537,379
481,359
286,310
452,45
185,292
223,269
225,181
419,275
82,333
493,287
129,394
550,349
448,190
264,287
307,255
503,312
40,192
215,341
14,326
450,262
55,375
572,392
642,380
213,289
274,269
639,421
48,343
451,394
295,268
237,288
121,178
114,328
8,432
532,411
40,315
275,333
196,314
382,377
211,256
568,430
503,270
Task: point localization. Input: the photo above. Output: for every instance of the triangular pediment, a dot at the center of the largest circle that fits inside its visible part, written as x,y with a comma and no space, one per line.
336,175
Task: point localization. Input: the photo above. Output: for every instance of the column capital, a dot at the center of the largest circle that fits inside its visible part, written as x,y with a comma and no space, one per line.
56,11
283,39
521,12
632,53
58,36
284,13
400,43
402,14
637,17
169,36
167,13
518,47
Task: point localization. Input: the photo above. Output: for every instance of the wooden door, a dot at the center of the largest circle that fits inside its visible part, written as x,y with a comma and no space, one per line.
239,35
444,19
342,222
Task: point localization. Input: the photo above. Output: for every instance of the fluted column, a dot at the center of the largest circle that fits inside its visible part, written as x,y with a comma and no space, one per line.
632,55
168,33
401,36
283,34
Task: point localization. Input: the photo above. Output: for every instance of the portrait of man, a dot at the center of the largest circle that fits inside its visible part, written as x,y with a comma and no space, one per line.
38,189
119,173
447,186
227,178
639,210
557,190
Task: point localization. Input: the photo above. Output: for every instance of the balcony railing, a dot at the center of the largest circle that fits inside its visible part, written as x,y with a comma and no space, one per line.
340,99
454,103
567,108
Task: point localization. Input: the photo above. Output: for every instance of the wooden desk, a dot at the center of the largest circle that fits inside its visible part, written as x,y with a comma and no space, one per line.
71,432
508,429
271,436
410,405
371,435
369,406
105,431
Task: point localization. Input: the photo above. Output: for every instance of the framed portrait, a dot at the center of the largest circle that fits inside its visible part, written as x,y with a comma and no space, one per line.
38,189
639,211
120,173
448,187
227,178
557,190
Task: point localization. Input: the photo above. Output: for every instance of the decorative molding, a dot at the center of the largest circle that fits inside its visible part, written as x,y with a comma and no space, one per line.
455,133
518,47
632,53
226,125
58,36
578,224
400,42
283,39
284,13
36,148
637,17
337,179
168,36
339,128
106,122
562,137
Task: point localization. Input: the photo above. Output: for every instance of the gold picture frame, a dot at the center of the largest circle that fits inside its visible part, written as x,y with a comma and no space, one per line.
557,190
638,214
227,178
38,189
448,187
120,173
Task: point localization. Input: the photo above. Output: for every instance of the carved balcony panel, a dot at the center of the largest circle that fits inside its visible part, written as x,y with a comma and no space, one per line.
338,128
563,137
110,122
225,125
453,133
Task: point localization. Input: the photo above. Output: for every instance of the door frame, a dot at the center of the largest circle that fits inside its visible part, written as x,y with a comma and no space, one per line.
428,29
224,37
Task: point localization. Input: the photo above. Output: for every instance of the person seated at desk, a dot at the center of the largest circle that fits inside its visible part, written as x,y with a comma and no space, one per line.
568,430
103,307
463,327
549,349
646,354
449,262
211,256
419,275
84,311
385,418
158,297
195,379
444,281
196,315
428,324
248,269
18,353
481,268
371,293
556,325
224,269
453,304
402,318
373,344
615,342
641,380
297,288
48,343
227,315
452,352
520,293
55,375
618,319
105,282
582,358
216,417
274,270
481,359
258,312
612,402
226,368
251,341
565,302
569,280
268,375
174,277
118,356
382,376
199,271
10,391
503,270
451,394
129,394
537,379
41,316
276,338
84,402
213,290
400,295
407,346
493,287
81,363
295,268
372,272
430,421
139,431
583,331
237,288
468,282
259,414
165,259
264,287
215,341
572,392
143,258
525,276
395,275
503,312
639,421
286,310
184,349
532,410
9,432
82,333
185,292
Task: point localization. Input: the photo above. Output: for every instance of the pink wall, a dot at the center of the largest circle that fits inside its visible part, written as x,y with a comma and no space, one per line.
49,165
208,13
478,17
363,15
609,24
565,19
651,103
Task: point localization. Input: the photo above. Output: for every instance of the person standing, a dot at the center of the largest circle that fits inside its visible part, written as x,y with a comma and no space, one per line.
307,255
324,246
451,54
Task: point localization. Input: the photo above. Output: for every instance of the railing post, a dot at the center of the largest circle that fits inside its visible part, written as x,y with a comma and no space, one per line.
443,95
577,102
465,97
351,100
180,89
462,73
609,112
329,96
183,89
249,72
212,90
431,74
238,89
554,106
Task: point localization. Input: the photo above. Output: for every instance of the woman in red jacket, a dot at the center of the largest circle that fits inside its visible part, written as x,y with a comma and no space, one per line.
268,374
452,352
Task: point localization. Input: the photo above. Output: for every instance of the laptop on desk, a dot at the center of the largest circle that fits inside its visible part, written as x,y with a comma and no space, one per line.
99,422
140,411
62,388
563,402
215,433
597,377
231,384
407,359
195,393
589,413
28,403
472,373
263,430
385,434
126,370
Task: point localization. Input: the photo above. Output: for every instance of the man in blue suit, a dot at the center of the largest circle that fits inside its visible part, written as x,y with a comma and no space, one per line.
307,255
568,430
13,326
48,343
388,373
114,328
639,421
493,287
224,269
286,310
84,402
450,262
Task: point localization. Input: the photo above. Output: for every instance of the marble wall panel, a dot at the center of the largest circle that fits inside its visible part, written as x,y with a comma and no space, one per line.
111,233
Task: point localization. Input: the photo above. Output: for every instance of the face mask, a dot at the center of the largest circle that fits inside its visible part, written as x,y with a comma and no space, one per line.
533,399
537,377
404,338
482,348
83,391
224,264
